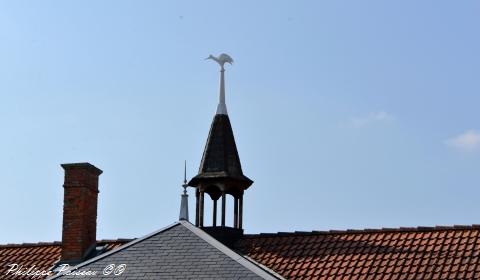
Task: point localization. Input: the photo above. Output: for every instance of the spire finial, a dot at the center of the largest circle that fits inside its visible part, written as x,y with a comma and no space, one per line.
184,202
185,178
221,60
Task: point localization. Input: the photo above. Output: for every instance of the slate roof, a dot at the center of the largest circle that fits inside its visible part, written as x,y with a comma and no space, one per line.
220,158
404,253
41,255
180,251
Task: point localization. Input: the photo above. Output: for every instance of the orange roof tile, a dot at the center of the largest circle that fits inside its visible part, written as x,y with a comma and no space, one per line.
43,256
404,253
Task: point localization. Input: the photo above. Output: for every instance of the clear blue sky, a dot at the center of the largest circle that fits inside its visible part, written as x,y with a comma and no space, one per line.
347,114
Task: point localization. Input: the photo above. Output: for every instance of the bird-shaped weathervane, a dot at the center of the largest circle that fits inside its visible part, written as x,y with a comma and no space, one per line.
221,59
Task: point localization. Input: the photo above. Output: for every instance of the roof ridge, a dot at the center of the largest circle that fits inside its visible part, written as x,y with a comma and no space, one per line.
368,230
29,244
115,240
56,243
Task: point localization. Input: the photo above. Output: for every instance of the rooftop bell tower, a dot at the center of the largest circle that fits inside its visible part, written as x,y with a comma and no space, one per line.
220,173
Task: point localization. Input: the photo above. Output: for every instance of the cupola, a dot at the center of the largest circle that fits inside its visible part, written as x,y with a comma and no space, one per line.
220,173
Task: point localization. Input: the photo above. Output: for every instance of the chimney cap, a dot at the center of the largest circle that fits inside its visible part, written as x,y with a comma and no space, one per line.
81,165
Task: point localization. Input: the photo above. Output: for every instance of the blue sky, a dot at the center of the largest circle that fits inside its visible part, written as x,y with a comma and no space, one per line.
347,114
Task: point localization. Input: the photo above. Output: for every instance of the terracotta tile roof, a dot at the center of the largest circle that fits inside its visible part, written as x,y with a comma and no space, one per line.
41,255
404,253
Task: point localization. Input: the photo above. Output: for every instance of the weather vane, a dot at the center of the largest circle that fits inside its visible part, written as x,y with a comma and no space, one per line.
221,60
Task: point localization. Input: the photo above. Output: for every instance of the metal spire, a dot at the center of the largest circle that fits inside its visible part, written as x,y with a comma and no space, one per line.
184,202
221,60
222,107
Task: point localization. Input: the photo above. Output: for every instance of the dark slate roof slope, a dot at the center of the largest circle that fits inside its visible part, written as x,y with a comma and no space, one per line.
220,158
403,253
180,251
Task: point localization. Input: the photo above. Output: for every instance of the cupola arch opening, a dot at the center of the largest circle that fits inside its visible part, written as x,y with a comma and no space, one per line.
219,199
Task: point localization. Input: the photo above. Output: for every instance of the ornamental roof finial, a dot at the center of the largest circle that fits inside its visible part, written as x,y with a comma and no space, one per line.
221,60
184,202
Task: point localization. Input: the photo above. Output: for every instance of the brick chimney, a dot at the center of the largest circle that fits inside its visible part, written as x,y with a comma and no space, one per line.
79,211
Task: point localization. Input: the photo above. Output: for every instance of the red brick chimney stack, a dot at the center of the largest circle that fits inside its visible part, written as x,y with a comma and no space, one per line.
79,211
